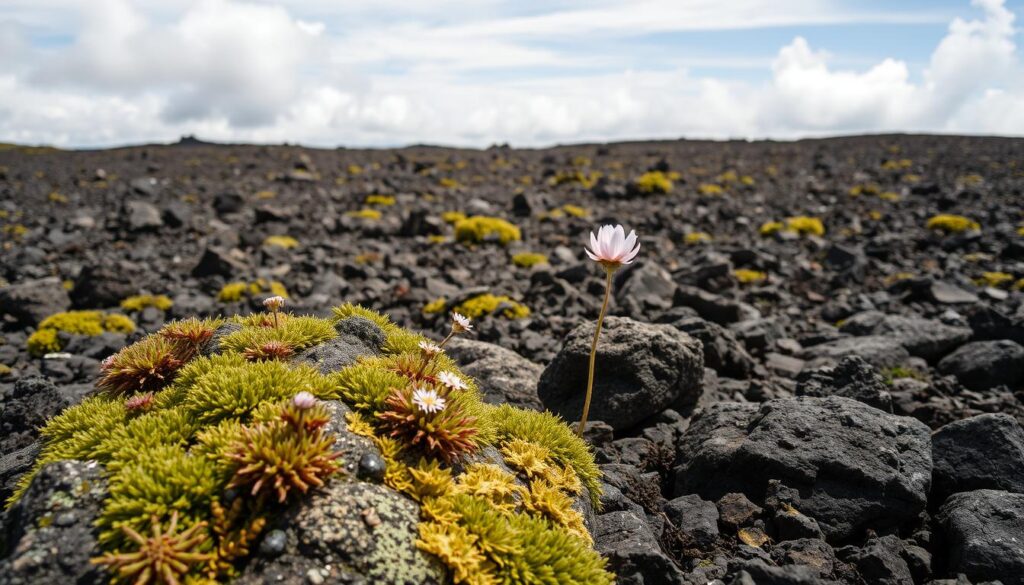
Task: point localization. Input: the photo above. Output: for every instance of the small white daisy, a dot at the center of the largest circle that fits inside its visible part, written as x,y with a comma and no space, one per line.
427,401
274,303
460,323
430,348
304,400
451,380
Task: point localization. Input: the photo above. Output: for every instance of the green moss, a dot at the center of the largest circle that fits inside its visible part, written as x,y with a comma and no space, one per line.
235,392
43,342
46,338
488,304
137,303
233,292
366,213
479,228
653,182
286,242
435,306
951,224
382,200
528,259
544,428
179,453
296,332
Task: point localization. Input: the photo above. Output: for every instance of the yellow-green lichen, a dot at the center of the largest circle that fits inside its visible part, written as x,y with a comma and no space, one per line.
528,259
174,457
488,304
46,338
479,228
951,224
137,303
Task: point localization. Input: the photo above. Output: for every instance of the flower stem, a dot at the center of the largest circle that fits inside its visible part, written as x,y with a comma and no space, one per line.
593,351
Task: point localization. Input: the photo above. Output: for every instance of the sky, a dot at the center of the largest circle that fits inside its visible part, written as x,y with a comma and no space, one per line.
382,73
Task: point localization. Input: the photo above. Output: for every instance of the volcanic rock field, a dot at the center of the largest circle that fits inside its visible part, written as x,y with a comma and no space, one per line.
813,372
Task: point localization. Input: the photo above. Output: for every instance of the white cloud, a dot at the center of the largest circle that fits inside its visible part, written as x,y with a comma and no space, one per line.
300,72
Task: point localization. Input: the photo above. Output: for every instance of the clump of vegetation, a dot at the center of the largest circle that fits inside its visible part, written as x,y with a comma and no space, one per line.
951,224
800,224
653,182
710,189
285,242
365,213
288,454
694,238
449,183
528,259
46,338
382,200
174,439
747,276
137,303
994,279
575,177
488,304
234,292
898,372
453,217
565,210
479,228
435,306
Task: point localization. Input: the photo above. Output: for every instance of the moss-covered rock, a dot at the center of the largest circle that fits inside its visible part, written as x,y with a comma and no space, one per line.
300,448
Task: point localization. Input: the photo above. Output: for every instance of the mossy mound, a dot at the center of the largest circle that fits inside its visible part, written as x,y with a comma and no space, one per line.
213,431
46,338
479,228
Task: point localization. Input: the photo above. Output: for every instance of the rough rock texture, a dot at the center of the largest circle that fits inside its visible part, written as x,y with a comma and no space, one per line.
981,365
722,351
49,534
641,370
356,337
31,301
695,517
851,378
880,351
626,540
854,466
983,534
981,452
502,375
921,337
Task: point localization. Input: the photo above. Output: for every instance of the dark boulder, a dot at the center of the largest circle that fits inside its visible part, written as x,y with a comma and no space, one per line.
641,370
853,465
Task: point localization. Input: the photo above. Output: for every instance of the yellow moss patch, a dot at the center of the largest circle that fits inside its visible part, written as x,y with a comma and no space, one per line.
488,304
233,292
994,279
747,276
46,339
528,259
951,224
694,238
286,242
382,200
453,216
710,189
479,228
435,306
653,182
369,214
139,302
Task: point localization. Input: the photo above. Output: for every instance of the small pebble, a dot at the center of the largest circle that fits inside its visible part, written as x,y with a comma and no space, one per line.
273,543
371,467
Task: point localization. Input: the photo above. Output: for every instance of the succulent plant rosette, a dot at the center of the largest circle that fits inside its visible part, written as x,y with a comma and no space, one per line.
208,428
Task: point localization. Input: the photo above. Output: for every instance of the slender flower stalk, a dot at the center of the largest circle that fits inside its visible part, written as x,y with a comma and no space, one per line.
611,248
274,304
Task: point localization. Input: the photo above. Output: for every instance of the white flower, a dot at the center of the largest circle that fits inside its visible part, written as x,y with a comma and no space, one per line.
460,323
612,247
451,380
273,304
430,348
304,400
427,401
